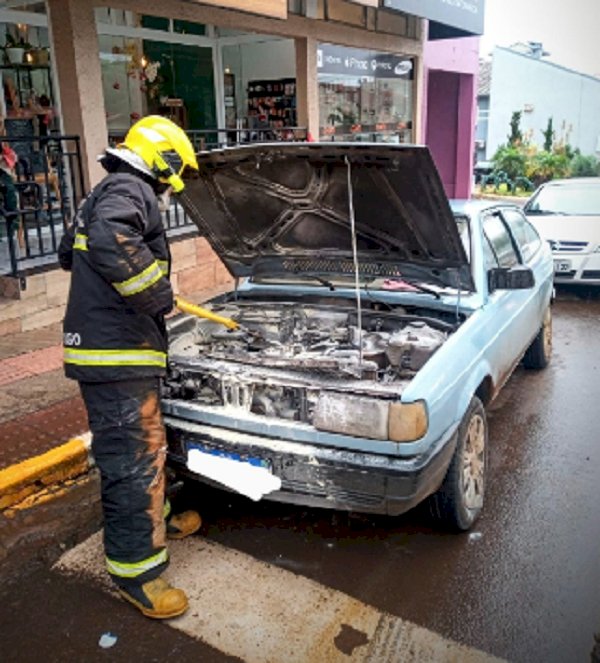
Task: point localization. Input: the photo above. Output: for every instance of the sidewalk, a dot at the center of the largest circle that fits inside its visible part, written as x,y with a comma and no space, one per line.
43,422
39,408
42,419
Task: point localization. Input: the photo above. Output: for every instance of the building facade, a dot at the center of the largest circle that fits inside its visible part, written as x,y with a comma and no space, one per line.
540,90
449,109
231,71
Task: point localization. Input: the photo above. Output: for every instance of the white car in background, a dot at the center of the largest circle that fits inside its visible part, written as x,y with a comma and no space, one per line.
566,213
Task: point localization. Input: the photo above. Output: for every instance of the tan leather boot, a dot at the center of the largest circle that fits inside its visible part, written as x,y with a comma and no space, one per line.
183,524
156,599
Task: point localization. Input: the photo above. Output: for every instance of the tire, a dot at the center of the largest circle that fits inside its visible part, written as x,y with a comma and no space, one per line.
459,501
539,352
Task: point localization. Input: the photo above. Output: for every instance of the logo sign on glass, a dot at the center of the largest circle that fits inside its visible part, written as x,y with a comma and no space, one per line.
356,62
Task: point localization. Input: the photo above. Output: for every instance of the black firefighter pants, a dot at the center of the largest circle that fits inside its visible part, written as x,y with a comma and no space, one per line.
129,447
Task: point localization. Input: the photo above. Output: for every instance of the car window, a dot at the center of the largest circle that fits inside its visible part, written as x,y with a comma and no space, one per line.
524,233
500,241
568,198
489,257
464,231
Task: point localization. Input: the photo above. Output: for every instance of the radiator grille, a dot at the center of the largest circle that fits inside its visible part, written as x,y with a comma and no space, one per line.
563,246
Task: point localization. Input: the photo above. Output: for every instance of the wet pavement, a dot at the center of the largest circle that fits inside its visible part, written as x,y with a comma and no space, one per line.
524,585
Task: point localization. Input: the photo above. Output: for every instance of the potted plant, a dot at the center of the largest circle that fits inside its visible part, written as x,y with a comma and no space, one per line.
15,48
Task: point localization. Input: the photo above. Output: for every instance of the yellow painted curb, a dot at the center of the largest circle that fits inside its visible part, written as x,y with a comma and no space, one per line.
67,461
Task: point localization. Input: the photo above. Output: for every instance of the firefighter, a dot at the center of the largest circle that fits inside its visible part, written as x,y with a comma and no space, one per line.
115,346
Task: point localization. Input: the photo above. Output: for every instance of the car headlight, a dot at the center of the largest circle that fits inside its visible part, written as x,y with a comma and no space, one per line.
407,422
371,418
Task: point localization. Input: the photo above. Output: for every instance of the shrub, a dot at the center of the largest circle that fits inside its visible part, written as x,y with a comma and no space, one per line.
548,136
584,166
511,160
545,166
515,137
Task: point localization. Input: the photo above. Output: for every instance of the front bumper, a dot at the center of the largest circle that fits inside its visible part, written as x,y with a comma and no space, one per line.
320,476
579,268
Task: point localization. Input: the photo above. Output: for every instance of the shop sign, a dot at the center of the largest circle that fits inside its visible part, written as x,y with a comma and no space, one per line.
465,15
357,62
272,8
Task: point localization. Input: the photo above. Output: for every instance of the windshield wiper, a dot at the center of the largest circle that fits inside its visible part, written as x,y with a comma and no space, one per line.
286,275
402,285
322,281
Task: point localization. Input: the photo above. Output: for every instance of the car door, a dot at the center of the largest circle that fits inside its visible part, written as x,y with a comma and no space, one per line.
531,248
514,312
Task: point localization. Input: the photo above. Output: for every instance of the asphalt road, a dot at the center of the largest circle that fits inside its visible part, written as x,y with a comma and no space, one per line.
524,585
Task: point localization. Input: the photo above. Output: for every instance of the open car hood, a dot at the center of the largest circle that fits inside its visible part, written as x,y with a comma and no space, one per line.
283,209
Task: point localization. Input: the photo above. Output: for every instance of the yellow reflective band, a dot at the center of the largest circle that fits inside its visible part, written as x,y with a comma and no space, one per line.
131,570
86,357
81,242
167,509
140,281
164,266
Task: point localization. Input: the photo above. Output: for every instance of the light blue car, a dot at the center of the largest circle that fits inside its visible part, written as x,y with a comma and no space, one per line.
373,323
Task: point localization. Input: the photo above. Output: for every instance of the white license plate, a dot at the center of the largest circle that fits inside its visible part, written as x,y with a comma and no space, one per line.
248,476
561,266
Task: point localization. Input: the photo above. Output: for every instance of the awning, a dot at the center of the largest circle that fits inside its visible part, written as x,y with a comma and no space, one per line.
271,8
448,18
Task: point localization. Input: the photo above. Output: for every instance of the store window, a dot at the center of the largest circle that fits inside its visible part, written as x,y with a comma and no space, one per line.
27,100
122,69
169,75
260,84
364,95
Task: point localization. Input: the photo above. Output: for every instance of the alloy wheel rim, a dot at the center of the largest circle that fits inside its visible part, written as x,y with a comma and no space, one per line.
473,469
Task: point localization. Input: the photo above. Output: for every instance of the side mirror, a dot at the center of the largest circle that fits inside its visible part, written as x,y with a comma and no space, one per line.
513,278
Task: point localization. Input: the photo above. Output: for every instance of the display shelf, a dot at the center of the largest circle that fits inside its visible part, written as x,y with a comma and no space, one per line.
272,103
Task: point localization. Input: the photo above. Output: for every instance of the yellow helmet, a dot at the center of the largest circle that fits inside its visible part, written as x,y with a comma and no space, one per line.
164,148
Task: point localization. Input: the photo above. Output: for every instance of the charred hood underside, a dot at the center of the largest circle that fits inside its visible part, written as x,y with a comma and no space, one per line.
285,209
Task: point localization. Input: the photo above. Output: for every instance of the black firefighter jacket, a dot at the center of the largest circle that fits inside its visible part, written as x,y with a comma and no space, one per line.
118,254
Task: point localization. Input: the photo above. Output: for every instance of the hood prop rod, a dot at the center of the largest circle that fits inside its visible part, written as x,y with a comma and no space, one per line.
355,259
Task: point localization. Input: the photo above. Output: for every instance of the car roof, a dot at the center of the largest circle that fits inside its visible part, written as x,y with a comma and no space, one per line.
475,207
577,181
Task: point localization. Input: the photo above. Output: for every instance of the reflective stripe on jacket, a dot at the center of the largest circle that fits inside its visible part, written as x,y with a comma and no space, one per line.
118,254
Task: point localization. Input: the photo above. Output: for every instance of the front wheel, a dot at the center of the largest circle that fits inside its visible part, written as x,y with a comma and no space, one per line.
539,352
459,501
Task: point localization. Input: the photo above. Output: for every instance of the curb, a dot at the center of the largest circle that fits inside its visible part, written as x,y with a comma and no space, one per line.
31,476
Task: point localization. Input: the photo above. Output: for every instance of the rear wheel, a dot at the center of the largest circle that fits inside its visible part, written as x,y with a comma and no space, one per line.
539,352
459,501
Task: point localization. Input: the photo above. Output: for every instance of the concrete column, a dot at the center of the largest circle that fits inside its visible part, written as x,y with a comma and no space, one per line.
419,100
75,56
467,108
307,88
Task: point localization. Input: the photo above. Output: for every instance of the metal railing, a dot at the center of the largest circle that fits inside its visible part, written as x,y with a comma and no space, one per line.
212,139
49,187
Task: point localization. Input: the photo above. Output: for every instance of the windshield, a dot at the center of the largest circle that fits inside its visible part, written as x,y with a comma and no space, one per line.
575,199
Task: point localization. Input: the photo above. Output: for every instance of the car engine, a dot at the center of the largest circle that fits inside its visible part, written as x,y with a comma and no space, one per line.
281,355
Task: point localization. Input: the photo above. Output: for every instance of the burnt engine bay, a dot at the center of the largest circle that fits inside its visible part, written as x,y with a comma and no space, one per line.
284,353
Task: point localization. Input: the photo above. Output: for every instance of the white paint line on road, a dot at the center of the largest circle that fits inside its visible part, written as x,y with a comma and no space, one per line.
264,614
